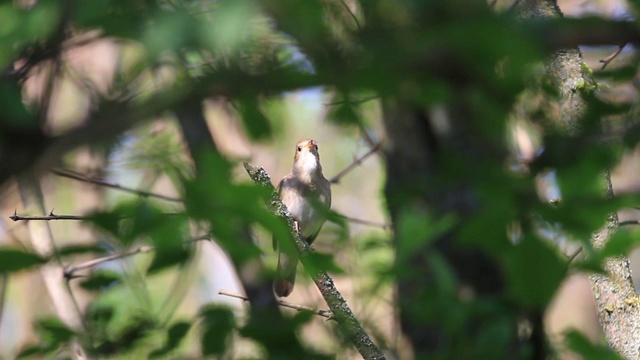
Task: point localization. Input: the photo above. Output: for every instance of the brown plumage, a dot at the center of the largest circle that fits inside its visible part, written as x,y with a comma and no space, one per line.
305,192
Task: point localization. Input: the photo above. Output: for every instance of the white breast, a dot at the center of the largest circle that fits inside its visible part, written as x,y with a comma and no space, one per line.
303,209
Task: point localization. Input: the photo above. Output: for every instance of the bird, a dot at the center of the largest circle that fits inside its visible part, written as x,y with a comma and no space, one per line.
307,195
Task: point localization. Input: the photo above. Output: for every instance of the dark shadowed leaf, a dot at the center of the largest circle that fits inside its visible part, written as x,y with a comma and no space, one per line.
175,334
534,271
101,280
53,331
30,351
80,249
15,260
344,113
217,324
256,123
169,240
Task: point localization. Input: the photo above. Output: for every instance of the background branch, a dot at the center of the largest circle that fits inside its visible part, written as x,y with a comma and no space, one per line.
80,177
323,313
356,162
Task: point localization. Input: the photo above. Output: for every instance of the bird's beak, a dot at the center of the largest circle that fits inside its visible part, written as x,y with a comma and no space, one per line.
311,144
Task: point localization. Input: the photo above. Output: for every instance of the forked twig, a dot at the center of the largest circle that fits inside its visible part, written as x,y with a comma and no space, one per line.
610,58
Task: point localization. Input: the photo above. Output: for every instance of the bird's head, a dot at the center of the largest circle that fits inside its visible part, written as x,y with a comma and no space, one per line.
306,159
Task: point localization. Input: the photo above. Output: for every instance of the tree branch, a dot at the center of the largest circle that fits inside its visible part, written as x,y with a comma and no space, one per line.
323,313
80,177
69,271
342,313
356,162
52,216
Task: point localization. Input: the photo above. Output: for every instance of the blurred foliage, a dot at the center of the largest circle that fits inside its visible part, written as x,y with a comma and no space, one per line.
460,55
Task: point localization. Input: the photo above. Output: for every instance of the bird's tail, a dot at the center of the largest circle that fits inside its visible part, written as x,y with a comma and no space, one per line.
285,275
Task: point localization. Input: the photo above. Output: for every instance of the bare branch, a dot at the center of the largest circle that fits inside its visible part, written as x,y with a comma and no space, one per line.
323,313
70,271
610,58
52,216
353,16
628,222
342,313
353,102
356,162
575,254
80,177
384,226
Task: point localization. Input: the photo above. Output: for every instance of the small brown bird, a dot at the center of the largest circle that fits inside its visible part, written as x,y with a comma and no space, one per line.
307,195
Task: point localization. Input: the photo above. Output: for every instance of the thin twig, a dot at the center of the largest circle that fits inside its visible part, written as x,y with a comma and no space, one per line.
75,176
353,102
323,313
355,19
610,58
367,222
628,222
356,162
52,216
69,271
574,255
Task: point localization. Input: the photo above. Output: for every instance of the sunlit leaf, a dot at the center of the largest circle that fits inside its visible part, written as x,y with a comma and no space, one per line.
619,244
53,331
578,343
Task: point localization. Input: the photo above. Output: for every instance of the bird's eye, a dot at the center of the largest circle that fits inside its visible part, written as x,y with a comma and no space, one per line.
299,148
316,147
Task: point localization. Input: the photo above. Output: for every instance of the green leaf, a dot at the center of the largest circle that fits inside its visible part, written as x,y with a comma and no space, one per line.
415,230
317,262
581,345
229,208
14,260
620,243
170,248
256,123
100,280
175,334
30,351
79,249
343,110
53,331
534,270
217,326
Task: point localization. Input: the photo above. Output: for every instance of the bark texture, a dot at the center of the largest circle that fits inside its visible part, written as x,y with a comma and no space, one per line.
419,182
616,299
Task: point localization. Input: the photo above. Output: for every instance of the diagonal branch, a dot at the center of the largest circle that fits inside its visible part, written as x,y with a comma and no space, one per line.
80,177
342,313
356,162
69,271
323,313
